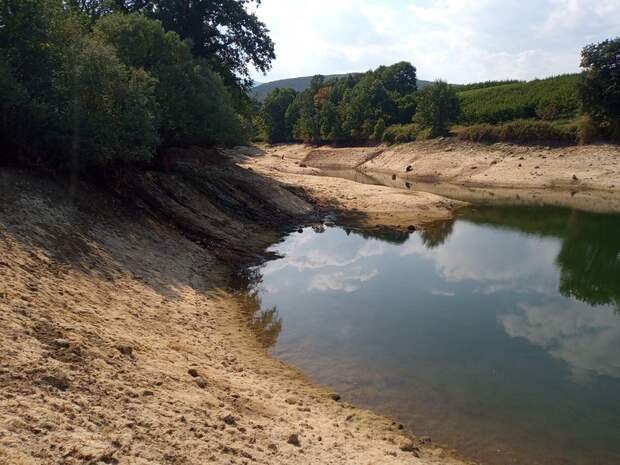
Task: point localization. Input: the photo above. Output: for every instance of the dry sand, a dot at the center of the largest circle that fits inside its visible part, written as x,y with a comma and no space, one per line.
120,343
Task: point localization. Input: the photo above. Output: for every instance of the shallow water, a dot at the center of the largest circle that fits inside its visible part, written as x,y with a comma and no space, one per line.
497,334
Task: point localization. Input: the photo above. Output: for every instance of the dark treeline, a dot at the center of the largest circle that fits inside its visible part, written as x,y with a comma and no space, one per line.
88,83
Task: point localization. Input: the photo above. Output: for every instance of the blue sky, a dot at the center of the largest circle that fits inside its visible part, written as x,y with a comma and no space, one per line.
458,40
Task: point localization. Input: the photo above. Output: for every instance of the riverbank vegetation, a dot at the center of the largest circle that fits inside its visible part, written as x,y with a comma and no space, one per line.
88,83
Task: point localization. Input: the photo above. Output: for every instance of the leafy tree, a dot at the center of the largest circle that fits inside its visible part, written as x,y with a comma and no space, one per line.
379,130
600,85
437,107
276,125
112,111
195,106
223,32
399,78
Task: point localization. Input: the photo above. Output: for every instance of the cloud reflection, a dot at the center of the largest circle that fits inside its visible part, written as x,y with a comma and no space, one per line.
587,339
343,281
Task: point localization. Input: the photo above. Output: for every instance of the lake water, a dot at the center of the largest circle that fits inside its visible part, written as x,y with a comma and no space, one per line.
497,334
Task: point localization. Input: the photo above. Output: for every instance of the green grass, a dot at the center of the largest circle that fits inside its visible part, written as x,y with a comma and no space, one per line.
547,99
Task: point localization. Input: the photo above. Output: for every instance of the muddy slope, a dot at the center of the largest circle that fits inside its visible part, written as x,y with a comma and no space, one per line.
120,342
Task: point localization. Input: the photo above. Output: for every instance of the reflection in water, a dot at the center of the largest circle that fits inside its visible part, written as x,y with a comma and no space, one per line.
266,323
588,340
589,259
495,333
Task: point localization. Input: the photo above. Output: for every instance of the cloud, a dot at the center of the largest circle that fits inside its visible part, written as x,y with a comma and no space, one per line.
344,281
466,257
587,338
459,40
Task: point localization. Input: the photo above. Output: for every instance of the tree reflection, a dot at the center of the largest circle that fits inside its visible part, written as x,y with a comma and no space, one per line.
437,234
389,235
265,323
589,259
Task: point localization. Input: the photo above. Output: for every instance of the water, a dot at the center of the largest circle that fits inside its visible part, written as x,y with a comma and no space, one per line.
497,334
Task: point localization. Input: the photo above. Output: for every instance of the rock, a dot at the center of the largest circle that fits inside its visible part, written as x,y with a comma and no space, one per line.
148,393
58,381
294,440
409,168
575,178
193,372
411,228
474,167
334,396
290,400
63,343
300,230
303,165
127,351
349,418
393,177
230,420
202,383
409,446
273,448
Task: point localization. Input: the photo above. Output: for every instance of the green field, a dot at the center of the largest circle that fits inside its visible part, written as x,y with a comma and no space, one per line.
547,99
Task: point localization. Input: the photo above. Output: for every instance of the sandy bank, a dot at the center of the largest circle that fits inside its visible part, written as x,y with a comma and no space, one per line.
120,342
586,177
353,202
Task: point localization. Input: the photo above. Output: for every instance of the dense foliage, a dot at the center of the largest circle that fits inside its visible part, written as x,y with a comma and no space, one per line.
82,85
353,109
600,86
438,107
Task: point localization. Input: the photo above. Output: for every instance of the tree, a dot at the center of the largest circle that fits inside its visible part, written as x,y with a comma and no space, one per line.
196,107
437,107
223,32
111,110
399,78
600,85
276,126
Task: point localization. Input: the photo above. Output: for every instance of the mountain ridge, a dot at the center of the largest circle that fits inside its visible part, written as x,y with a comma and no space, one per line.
299,84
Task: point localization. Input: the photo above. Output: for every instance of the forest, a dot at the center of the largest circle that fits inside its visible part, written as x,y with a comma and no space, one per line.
103,83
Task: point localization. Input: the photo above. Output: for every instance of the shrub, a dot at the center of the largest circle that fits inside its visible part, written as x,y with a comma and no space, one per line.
400,133
520,131
586,131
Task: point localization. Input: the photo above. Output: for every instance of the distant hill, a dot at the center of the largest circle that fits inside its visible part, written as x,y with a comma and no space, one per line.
299,84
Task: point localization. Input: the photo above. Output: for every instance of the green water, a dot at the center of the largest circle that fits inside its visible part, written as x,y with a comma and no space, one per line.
497,334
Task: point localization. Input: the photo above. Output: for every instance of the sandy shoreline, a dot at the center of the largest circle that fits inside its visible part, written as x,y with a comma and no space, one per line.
586,177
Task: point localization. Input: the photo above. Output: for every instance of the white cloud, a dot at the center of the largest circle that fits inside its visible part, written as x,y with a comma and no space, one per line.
587,338
344,281
459,40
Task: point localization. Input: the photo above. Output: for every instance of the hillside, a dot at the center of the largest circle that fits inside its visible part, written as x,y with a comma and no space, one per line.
550,99
299,84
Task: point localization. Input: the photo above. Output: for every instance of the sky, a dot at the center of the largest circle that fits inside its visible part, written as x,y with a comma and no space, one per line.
460,41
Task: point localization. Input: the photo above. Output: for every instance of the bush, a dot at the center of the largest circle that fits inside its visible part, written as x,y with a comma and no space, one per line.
520,131
400,133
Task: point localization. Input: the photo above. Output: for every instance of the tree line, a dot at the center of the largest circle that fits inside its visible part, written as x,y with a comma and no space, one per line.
357,108
384,105
90,83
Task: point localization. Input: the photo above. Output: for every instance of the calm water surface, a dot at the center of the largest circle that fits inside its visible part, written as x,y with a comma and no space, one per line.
497,334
